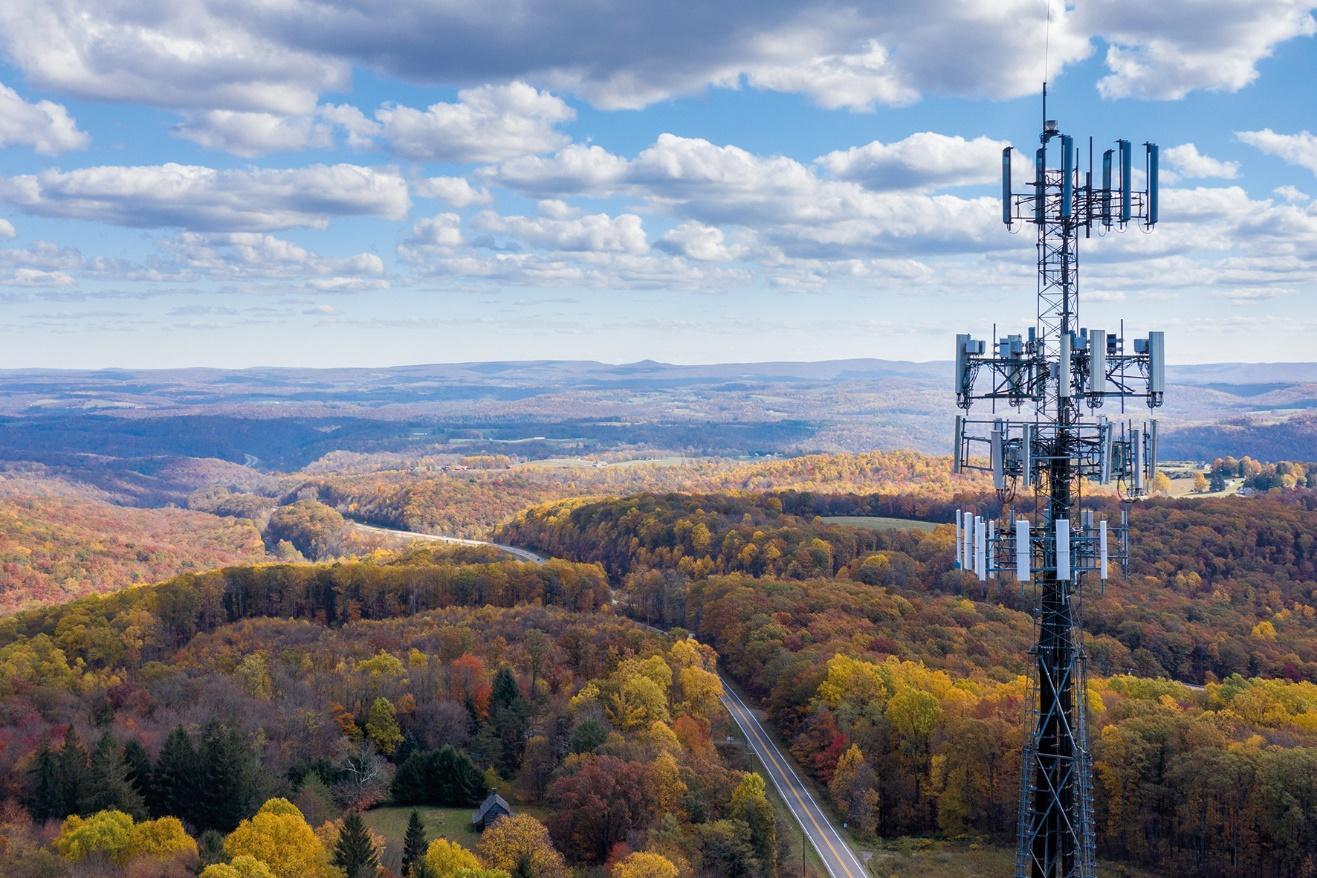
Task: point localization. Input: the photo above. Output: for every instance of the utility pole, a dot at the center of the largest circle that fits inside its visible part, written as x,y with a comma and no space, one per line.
1056,376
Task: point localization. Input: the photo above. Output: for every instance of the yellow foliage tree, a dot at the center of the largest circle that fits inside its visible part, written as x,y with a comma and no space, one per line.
448,858
239,867
279,836
105,833
521,842
643,864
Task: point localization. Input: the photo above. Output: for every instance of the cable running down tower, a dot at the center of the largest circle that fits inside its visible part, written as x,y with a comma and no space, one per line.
1057,377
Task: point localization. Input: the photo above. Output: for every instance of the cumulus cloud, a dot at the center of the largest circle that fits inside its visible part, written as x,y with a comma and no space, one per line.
557,229
7,229
700,242
278,58
441,232
1296,149
205,199
923,160
486,124
45,126
456,191
253,255
784,201
198,54
1186,161
251,134
1165,50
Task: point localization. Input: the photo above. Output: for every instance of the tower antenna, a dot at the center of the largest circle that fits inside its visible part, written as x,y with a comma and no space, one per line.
1057,376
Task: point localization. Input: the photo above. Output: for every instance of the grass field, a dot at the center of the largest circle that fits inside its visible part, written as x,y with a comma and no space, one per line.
451,823
878,522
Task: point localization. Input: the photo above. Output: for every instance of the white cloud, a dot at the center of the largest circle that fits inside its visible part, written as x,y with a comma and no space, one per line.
280,57
1296,149
252,255
1165,50
7,229
45,126
251,134
35,277
578,168
205,199
1292,194
1186,161
441,232
697,241
486,124
591,233
922,160
196,54
456,191
784,201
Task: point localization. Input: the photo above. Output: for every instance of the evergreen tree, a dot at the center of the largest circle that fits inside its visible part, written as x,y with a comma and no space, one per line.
108,785
139,768
43,798
508,722
505,692
438,777
421,869
72,776
230,789
176,779
413,842
354,852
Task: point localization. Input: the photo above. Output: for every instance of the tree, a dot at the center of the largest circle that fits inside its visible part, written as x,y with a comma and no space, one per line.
279,836
726,850
447,858
644,865
750,804
176,778
445,776
72,777
109,787
854,787
239,867
520,844
1200,483
43,798
598,803
413,842
106,833
139,769
382,726
355,852
230,782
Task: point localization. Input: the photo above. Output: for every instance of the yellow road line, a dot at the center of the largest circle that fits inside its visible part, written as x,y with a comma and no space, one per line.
769,752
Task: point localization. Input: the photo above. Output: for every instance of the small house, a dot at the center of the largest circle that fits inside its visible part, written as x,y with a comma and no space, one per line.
489,811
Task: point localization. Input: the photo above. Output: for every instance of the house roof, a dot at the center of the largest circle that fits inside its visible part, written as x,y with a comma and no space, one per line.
486,806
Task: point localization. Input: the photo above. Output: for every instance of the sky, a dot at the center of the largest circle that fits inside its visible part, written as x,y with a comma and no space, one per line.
233,183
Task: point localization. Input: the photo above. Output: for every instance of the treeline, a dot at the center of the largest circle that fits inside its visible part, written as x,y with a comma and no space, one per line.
471,497
897,682
1216,587
607,725
150,622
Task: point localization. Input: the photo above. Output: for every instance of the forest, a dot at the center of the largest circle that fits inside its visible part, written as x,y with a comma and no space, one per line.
898,681
253,716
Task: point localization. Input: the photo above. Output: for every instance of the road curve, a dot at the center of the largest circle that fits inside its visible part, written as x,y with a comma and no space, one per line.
838,857
518,553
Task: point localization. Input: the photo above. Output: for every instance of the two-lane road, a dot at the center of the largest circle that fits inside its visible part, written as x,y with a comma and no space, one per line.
519,554
838,857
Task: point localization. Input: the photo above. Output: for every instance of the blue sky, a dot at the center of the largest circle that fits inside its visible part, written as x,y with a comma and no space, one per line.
312,183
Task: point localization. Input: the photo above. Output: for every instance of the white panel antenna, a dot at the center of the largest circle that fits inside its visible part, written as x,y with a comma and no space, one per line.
1023,550
1102,549
1063,548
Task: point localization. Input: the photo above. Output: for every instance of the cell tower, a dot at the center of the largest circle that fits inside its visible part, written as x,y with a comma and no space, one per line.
1065,375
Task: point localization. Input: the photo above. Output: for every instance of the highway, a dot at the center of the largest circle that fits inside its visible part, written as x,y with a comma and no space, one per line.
838,858
519,554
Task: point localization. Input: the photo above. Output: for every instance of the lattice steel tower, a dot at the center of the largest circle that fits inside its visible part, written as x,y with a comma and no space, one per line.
1056,377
